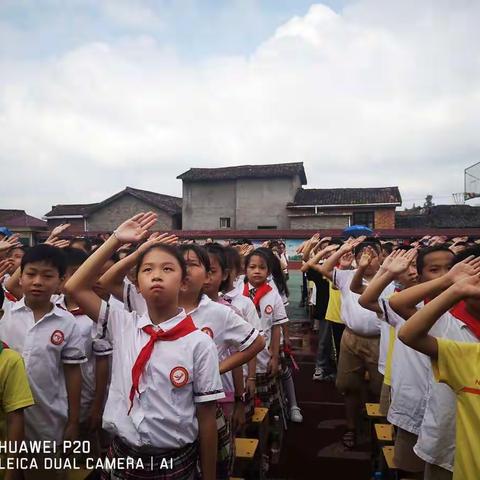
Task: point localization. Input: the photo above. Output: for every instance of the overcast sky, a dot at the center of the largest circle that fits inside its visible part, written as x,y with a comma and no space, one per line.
96,95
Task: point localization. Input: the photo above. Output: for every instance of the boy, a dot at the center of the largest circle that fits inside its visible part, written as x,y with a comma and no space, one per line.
359,347
48,338
455,363
15,395
436,442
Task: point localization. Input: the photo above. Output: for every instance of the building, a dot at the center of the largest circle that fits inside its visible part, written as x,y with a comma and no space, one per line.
28,227
272,197
337,208
440,217
246,197
108,214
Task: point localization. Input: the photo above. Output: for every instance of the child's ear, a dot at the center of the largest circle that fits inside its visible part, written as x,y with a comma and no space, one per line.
226,274
183,285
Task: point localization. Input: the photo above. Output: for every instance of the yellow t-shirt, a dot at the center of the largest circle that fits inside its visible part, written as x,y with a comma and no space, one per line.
387,378
458,366
334,305
15,391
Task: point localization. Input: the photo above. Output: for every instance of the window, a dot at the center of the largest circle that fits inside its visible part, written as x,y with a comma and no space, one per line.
224,222
364,218
266,227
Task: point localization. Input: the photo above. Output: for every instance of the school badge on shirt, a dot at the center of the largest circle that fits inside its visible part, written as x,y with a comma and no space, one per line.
208,331
179,376
268,309
57,337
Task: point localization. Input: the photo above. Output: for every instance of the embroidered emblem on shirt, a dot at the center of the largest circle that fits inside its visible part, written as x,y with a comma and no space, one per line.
268,309
208,331
57,337
179,376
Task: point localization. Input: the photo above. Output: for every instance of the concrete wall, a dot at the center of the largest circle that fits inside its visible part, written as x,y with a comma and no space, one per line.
319,222
262,202
125,207
204,203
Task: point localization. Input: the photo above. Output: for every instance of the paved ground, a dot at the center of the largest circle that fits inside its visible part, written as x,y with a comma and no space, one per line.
312,449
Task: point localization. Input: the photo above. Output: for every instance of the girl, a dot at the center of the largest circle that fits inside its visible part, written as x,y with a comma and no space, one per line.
165,380
227,329
272,315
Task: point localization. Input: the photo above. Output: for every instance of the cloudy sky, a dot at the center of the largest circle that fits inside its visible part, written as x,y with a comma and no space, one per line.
99,94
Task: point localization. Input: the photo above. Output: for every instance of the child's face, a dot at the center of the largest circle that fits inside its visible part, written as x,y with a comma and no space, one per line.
257,271
374,264
410,277
435,265
196,273
159,277
16,255
212,285
40,280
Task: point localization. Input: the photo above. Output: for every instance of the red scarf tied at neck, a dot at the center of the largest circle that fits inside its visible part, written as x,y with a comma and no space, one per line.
261,291
182,329
460,312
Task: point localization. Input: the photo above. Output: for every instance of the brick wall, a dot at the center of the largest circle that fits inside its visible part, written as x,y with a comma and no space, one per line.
385,218
125,207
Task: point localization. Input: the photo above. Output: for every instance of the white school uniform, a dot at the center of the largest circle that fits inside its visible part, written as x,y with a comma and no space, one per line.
245,306
163,414
227,329
271,312
45,345
411,371
436,440
133,301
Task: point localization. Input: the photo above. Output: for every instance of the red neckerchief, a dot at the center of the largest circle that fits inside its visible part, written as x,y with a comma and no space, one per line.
262,290
460,312
10,296
185,327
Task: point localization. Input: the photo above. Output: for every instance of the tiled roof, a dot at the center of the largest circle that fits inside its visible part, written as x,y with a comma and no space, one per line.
273,170
440,216
171,205
346,196
19,219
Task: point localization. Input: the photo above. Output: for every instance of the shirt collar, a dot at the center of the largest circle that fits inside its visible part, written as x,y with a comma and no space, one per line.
144,320
232,293
56,310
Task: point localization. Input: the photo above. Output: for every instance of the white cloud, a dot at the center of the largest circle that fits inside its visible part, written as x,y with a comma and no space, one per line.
383,93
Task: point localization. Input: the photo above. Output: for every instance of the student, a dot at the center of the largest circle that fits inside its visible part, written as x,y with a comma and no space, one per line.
51,345
408,370
228,330
455,363
325,368
436,437
272,315
82,243
165,378
15,396
359,348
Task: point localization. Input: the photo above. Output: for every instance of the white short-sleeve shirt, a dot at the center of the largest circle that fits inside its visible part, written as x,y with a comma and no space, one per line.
245,306
358,319
436,439
45,345
179,374
227,329
133,300
411,371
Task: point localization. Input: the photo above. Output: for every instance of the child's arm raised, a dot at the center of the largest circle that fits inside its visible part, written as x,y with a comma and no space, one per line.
405,303
112,279
314,261
414,332
79,286
357,285
327,268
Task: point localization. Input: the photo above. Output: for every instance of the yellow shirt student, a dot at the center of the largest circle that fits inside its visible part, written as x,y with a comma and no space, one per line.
458,366
334,305
14,389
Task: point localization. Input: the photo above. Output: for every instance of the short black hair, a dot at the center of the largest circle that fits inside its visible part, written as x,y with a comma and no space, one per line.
218,251
23,248
74,256
388,247
87,244
45,253
368,242
199,251
171,250
423,252
459,257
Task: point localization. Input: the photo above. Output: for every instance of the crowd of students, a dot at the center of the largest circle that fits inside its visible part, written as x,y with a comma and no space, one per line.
148,347
143,346
403,322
